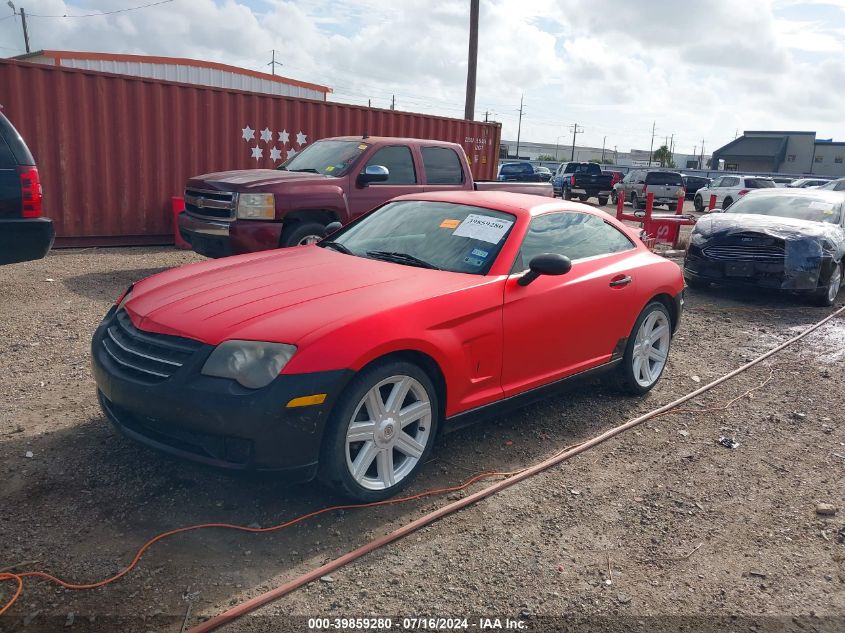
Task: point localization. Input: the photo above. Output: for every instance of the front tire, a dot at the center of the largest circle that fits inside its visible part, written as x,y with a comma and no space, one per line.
380,432
302,233
826,297
647,350
698,203
727,202
635,204
602,201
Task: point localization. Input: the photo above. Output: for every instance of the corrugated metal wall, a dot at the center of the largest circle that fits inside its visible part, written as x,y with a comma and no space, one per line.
112,150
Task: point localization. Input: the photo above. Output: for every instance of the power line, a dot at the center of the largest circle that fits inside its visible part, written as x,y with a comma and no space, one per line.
95,15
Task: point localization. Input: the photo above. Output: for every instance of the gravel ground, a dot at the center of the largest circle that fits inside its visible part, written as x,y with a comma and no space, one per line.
648,531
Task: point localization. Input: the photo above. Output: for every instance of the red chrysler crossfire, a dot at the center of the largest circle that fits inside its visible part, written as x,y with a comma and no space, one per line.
344,359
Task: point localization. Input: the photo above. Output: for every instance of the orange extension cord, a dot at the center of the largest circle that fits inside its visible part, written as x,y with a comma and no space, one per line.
520,474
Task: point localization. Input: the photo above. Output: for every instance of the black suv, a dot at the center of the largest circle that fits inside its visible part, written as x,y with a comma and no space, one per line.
24,233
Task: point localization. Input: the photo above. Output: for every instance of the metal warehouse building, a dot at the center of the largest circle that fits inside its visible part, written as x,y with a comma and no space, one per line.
189,71
784,152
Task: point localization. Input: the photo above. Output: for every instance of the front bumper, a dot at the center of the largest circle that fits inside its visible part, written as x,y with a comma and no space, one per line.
215,421
206,237
25,239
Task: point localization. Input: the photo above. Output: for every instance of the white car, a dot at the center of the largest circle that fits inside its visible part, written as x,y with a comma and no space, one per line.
729,189
803,183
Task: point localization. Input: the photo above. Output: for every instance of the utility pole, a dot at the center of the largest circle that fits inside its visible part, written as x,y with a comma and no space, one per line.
393,102
519,127
369,103
671,146
575,129
602,148
701,157
472,63
273,63
651,150
21,13
486,113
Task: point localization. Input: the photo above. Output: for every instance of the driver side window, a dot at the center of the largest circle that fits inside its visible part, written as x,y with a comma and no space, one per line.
399,163
575,235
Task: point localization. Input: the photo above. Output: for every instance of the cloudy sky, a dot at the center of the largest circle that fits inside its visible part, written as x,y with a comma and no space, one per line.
701,69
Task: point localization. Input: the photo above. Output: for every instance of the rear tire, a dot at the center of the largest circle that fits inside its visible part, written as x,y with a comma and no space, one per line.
583,198
301,233
635,204
380,432
698,203
567,195
647,350
602,201
613,197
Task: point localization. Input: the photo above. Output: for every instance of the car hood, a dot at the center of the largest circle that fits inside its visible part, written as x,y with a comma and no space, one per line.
728,224
252,179
281,295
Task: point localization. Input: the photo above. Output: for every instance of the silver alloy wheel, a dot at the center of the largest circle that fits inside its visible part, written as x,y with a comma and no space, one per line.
834,284
309,239
651,348
388,432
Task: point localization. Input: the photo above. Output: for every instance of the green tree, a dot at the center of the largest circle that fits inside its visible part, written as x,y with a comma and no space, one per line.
663,156
546,157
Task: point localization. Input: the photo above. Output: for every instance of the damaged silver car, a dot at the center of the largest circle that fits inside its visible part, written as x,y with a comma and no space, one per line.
783,239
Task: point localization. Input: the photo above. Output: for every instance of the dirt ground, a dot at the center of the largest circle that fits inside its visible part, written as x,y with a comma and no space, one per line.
659,529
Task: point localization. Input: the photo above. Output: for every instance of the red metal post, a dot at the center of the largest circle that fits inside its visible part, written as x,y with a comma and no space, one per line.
178,207
649,204
712,204
620,204
680,209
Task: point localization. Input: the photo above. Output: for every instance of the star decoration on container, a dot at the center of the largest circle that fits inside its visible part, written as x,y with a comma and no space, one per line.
248,133
266,135
275,153
257,152
292,153
284,137
301,139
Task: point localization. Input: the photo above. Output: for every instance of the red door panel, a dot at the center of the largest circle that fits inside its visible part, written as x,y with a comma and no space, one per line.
559,326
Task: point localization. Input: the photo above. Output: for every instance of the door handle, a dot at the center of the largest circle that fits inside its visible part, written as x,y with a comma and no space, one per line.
621,281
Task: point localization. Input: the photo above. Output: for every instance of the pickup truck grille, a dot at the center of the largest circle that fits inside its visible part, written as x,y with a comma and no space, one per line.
211,205
144,355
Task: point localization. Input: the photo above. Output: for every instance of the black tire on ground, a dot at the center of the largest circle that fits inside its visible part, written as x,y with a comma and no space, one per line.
613,197
333,469
300,232
583,197
698,203
727,202
635,203
625,372
822,297
696,284
567,195
602,201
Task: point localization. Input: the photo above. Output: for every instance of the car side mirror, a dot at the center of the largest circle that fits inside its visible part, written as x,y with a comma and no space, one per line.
373,173
545,264
333,227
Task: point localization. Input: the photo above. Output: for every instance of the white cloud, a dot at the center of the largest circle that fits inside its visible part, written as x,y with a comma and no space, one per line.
701,70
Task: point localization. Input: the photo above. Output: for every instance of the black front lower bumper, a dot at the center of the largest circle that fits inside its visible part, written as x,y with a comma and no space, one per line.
216,421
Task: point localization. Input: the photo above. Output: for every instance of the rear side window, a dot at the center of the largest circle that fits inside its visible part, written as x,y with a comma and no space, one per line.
575,235
729,181
399,163
663,178
14,143
442,166
7,159
759,183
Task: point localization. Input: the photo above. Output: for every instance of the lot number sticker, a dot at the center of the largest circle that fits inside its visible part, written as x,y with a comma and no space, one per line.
483,227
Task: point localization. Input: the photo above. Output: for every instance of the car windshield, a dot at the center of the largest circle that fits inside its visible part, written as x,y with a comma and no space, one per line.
330,158
663,178
454,237
815,209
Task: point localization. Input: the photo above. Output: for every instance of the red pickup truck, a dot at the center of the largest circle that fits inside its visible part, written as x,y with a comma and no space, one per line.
331,180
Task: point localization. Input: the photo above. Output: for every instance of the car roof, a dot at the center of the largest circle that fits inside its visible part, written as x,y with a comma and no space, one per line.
518,204
824,194
390,140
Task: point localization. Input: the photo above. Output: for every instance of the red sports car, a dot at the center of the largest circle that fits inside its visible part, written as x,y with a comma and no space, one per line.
344,359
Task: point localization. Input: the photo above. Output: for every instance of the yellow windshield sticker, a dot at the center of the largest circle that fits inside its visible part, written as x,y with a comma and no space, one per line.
330,168
363,146
450,224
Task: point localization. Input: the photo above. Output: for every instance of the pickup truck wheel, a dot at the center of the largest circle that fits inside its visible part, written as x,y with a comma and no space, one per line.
613,197
567,195
583,198
302,233
635,204
698,203
602,201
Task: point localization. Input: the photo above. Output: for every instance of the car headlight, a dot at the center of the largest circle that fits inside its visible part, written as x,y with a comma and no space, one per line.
254,364
697,238
122,301
256,206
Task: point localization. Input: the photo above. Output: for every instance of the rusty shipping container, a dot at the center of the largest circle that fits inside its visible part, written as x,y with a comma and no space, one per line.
112,150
